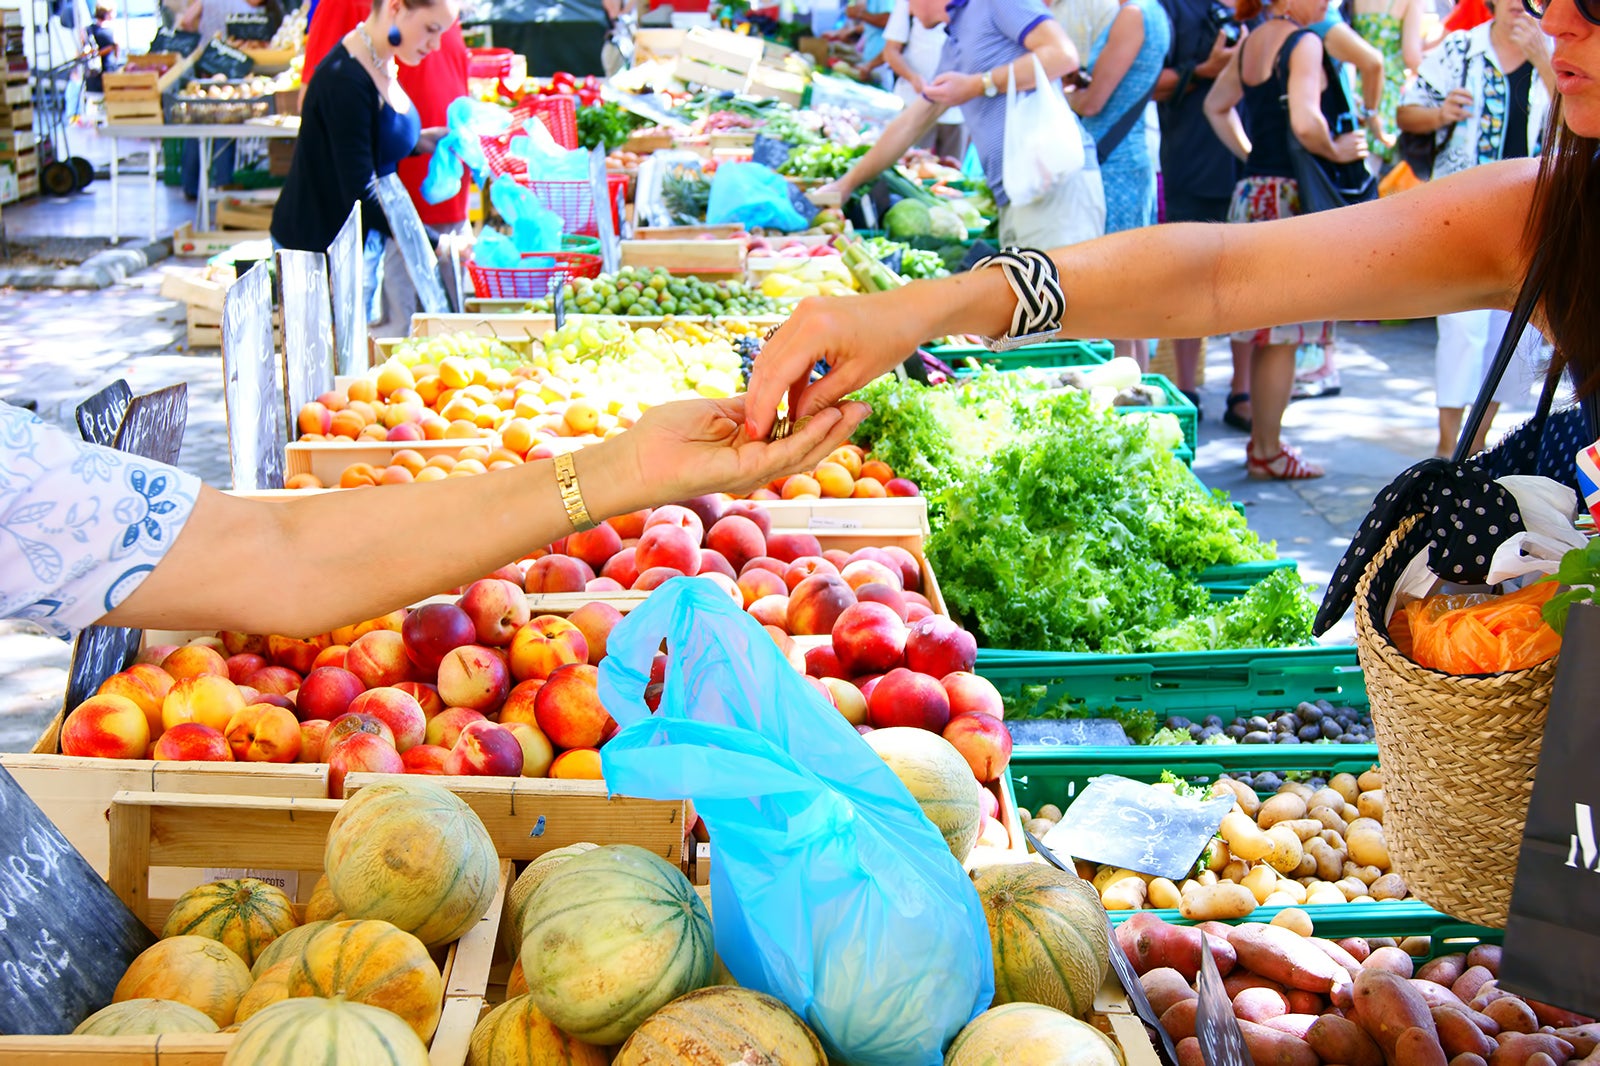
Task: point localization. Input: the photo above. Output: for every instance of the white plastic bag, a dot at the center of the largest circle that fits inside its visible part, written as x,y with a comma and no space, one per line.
1043,144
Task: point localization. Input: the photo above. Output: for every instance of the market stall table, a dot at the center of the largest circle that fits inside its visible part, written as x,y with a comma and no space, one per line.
155,134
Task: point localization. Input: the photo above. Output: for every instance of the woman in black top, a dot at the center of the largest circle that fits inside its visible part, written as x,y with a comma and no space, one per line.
1281,94
356,127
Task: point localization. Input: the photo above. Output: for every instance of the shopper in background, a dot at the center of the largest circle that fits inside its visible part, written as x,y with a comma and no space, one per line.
912,51
1125,63
1496,112
873,15
1282,93
1394,28
431,85
104,46
209,18
989,43
1084,20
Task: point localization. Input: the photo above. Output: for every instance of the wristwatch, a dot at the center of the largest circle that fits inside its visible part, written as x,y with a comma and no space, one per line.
989,89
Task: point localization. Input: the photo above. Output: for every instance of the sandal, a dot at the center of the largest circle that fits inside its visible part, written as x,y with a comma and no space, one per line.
1287,465
1232,418
1193,396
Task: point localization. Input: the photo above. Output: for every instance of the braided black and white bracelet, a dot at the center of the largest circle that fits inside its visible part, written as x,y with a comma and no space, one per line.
1041,304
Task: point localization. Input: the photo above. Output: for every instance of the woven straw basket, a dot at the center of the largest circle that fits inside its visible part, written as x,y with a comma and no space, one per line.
1458,757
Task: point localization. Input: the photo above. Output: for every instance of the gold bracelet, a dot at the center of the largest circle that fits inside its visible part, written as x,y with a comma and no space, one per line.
571,495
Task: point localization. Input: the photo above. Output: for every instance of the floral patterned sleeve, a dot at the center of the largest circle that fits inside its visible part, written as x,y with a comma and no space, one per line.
80,525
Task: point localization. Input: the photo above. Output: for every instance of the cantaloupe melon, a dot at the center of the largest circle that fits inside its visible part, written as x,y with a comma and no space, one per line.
1033,1034
517,983
1048,932
188,969
285,946
271,986
322,906
938,778
612,936
372,963
242,913
716,1026
300,1031
523,888
145,1017
415,855
516,1033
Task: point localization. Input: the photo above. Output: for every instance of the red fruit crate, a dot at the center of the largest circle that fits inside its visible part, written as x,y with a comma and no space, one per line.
574,202
558,113
532,283
490,62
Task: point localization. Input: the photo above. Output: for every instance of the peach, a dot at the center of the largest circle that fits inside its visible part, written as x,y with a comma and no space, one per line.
604,584
426,695
235,643
425,759
937,646
655,577
274,681
822,690
868,488
675,514
595,546
623,567
130,686
537,752
726,584
579,764
379,658
446,726
767,563
557,573
360,753
484,749
870,572
312,735
398,710
155,679
497,609
519,705
332,655
899,486
569,711
877,470
297,655
787,547
807,566
868,638
156,654
867,685
904,697
816,603
511,572
432,631
212,642
243,665
754,512
712,562
792,652
394,620
838,557
848,699
668,545
758,583
709,508
545,644
972,694
193,660
771,611
916,612
738,539
349,724
191,742
989,803
263,733
326,693
982,740
106,726
474,676
595,621
207,699
823,661
910,568
801,487
918,598
888,595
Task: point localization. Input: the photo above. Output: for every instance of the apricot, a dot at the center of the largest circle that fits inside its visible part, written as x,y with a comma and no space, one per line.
801,487
877,471
346,423
303,481
834,480
409,458
867,488
364,389
393,376
357,475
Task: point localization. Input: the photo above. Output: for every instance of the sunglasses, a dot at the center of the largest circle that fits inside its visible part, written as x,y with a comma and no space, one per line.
1589,9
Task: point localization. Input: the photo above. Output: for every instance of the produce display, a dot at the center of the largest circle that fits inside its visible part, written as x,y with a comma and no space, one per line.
1308,722
826,161
649,293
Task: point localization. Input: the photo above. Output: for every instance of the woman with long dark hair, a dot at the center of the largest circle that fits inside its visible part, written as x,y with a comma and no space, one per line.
1458,243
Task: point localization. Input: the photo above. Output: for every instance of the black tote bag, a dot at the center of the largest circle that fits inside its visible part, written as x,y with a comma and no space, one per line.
1324,184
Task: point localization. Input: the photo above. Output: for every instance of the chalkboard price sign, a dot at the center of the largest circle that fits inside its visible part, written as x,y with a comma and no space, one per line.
345,280
415,249
65,938
307,331
250,384
101,414
1137,826
1221,1042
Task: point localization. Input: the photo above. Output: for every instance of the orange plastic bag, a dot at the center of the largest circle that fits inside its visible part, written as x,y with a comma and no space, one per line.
1477,633
1398,180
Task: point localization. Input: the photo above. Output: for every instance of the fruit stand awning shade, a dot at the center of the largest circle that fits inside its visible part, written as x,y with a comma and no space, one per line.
65,938
541,11
553,34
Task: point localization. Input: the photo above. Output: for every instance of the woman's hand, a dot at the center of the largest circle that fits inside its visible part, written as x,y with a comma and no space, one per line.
1456,107
694,447
1349,147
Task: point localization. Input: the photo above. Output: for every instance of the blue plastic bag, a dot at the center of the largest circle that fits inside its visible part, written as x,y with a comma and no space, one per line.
830,889
547,160
534,227
753,194
467,121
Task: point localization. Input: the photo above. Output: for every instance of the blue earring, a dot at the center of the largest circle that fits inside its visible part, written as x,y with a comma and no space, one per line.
394,36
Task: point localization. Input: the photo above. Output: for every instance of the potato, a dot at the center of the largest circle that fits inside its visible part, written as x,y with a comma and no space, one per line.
1437,995
1296,1025
1539,1058
1163,893
1323,893
1259,1004
1178,1020
1371,805
1268,1047
1336,842
1307,867
1418,947
1360,824
1346,785
1303,1002
1262,880
1367,875
1110,875
1246,797
1281,899
1085,870
1293,889
1387,1006
1516,1048
1039,827
1346,961
1219,854
1295,920
1341,1040
1376,942
1583,1038
1024,815
1419,1047
1125,894
1220,901
1286,957
1188,884
1368,848
1363,899
1246,840
1358,947
1329,864
1331,819
1050,811
1445,970
1304,828
1555,1017
1390,960
1370,780
1487,956
1164,986
1512,1015
1327,796
1235,871
1207,878
1150,943
1285,806
1298,788
1350,812
1286,849
1459,1036
1189,1053
1469,1060
1393,886
1351,888
1488,992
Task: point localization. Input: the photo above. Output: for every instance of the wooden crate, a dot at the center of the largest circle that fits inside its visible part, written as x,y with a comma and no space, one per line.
772,83
237,212
717,59
524,326
195,290
27,185
651,44
700,258
725,231
134,97
203,327
327,460
186,242
18,94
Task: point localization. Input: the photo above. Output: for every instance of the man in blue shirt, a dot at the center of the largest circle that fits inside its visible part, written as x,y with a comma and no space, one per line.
988,44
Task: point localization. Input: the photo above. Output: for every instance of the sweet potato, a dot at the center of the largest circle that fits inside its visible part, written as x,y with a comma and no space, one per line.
1268,1047
1189,1052
1556,1017
1338,954
1469,1060
1178,1020
1283,956
1445,970
1259,1004
1438,995
1512,1015
1388,1006
1583,1038
1296,1025
1240,980
1390,960
1218,901
1515,1048
1467,985
1165,986
1487,956
1306,1002
1340,1040
1539,1058
1151,943
1486,1025
1457,1033
1358,947
1418,1047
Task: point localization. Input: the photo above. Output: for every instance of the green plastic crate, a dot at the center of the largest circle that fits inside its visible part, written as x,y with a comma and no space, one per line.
1229,582
1391,918
1178,406
1053,354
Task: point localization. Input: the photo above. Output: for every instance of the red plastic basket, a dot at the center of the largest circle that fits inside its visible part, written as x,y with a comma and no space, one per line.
558,113
490,62
574,202
532,283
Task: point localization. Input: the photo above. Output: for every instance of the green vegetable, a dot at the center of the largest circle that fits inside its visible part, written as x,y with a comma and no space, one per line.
1580,568
606,124
1275,613
908,218
1168,737
1182,786
826,161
